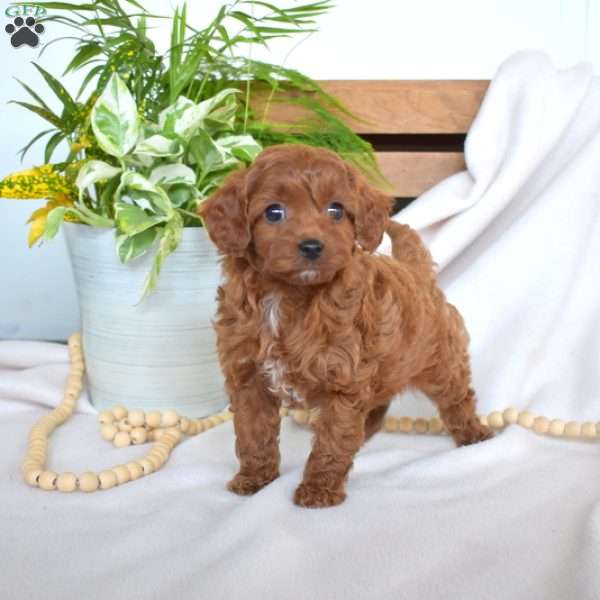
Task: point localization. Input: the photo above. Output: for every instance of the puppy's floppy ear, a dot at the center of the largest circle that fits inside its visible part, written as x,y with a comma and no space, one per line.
373,210
225,215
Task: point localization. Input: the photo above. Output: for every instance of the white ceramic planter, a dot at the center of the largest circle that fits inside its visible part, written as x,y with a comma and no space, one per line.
159,353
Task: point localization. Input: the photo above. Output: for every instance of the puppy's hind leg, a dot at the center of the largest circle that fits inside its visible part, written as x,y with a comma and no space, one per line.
448,384
374,420
458,414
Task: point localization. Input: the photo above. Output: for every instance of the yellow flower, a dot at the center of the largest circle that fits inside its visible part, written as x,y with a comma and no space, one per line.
38,182
83,142
40,216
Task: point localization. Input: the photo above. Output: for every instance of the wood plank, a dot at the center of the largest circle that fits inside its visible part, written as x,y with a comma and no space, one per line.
412,173
395,106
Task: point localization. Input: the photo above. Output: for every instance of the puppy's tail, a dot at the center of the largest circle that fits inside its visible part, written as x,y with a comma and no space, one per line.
407,246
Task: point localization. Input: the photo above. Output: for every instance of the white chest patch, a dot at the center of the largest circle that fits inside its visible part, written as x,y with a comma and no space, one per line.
271,313
275,368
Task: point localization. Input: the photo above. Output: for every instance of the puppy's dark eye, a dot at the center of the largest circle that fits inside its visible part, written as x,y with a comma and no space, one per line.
336,211
274,213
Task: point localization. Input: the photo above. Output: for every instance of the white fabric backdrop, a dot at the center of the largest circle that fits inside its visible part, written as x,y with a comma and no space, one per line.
517,238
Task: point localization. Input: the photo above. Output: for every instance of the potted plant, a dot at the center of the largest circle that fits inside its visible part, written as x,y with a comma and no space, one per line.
157,134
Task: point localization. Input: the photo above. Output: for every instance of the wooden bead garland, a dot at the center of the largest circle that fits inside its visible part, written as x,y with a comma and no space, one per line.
166,430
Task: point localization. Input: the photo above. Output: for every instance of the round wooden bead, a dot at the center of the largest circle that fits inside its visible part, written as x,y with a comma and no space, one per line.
153,419
37,443
66,482
390,424
37,458
496,420
119,412
160,452
435,425
156,461
62,412
557,427
215,420
157,434
511,416
526,419
122,474
572,429
169,418
47,480
137,418
421,425
184,424
108,479
541,425
135,470
108,432
163,447
175,434
147,466
88,482
31,465
405,424
32,476
124,425
122,439
138,435
483,420
588,430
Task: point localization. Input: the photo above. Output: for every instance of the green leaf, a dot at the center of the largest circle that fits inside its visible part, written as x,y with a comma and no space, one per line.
23,151
33,95
54,141
130,247
57,215
115,120
92,172
225,99
169,240
53,222
136,4
209,156
69,104
90,75
159,146
181,194
184,118
83,55
178,118
166,175
42,112
131,219
244,147
140,188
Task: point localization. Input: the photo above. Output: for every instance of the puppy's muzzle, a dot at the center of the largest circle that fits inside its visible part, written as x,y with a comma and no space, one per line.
311,249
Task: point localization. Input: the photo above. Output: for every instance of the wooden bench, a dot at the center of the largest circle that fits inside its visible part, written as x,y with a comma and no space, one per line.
417,128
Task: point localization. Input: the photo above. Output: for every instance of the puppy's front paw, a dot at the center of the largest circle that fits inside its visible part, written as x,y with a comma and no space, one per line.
473,433
244,485
313,496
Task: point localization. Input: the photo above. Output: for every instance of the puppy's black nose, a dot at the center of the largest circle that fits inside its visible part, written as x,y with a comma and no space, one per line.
311,249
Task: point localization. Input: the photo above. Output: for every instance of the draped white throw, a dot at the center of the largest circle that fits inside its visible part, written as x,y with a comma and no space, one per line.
517,238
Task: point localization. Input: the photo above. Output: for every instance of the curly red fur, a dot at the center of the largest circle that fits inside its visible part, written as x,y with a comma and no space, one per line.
346,337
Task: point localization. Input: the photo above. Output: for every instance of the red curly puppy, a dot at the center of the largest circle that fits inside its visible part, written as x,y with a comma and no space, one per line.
307,314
